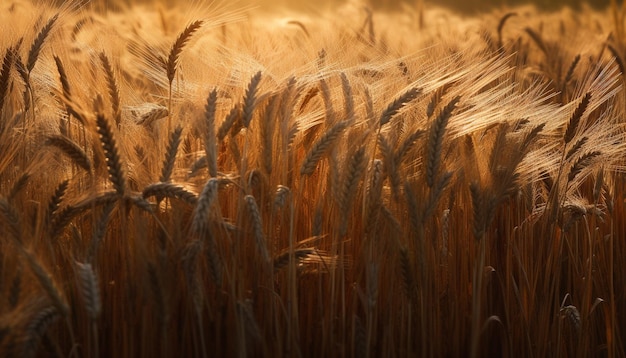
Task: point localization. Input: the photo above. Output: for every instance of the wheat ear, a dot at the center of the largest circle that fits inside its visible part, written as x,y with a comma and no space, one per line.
114,91
257,225
5,74
19,185
581,163
501,26
356,168
396,105
572,125
320,147
618,58
228,122
538,40
435,141
347,97
210,146
37,45
170,155
71,149
10,219
65,85
576,147
36,329
90,289
114,164
250,99
170,190
177,48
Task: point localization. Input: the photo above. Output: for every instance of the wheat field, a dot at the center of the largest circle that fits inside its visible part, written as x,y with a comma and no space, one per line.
219,180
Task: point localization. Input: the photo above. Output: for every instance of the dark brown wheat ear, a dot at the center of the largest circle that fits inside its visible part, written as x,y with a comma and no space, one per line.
177,48
5,75
37,45
114,163
114,91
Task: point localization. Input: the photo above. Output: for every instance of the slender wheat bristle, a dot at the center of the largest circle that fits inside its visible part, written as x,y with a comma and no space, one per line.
170,155
210,146
114,91
89,288
114,164
397,104
71,149
572,125
435,141
257,225
321,147
177,48
170,190
37,45
501,26
250,99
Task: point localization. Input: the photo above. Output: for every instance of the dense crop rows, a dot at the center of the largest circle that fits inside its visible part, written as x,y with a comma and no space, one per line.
210,182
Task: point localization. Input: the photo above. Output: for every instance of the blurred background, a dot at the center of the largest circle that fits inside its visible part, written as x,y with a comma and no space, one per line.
465,6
